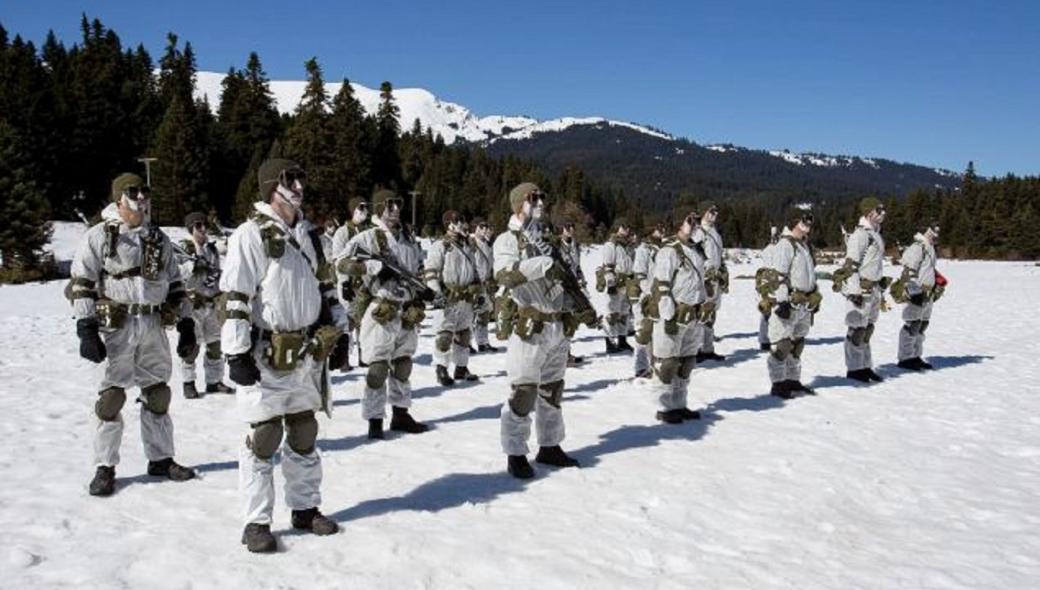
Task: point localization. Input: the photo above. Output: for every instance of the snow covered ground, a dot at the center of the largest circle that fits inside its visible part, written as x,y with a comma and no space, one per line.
924,481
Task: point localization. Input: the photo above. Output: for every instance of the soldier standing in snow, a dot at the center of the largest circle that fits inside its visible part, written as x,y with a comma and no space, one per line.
570,250
716,277
451,271
123,275
863,287
612,277
387,261
765,306
480,245
678,305
637,292
920,292
349,286
538,339
283,323
200,267
792,273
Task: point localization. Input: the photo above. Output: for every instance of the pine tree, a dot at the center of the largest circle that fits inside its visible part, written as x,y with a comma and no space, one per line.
386,165
23,208
308,141
351,137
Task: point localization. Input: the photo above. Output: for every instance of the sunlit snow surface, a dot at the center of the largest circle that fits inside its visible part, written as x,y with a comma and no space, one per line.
924,481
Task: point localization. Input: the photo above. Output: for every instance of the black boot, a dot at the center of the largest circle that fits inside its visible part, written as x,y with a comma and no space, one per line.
709,356
463,374
375,428
858,375
403,422
472,350
170,469
189,390
219,387
874,376
670,416
487,348
314,521
623,345
913,364
555,456
518,467
442,376
612,347
927,366
793,385
646,373
104,482
764,346
688,414
574,361
258,538
782,390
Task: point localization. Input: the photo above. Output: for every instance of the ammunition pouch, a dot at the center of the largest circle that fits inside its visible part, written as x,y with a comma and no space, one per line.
274,240
645,331
285,349
706,312
867,284
843,274
113,315
151,255
898,289
767,281
765,305
359,306
601,279
505,316
412,314
570,324
810,299
632,289
937,292
325,339
200,301
385,310
685,314
671,327
530,321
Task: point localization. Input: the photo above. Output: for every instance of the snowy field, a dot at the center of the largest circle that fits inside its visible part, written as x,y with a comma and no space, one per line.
924,481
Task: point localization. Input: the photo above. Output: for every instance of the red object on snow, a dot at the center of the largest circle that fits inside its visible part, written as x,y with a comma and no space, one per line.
940,279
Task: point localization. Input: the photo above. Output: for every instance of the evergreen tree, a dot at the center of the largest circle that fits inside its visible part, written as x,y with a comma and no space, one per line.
23,207
386,165
308,141
351,138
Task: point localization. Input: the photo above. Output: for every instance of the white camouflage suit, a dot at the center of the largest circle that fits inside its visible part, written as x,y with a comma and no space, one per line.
451,271
679,271
918,262
793,262
642,270
714,279
536,364
201,271
387,346
277,294
138,350
484,307
865,252
617,270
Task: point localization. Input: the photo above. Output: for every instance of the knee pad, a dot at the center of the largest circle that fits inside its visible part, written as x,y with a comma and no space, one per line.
870,332
924,326
266,438
799,346
552,393
402,368
858,336
376,376
302,431
463,338
523,398
781,349
668,369
443,341
686,368
213,350
156,398
110,403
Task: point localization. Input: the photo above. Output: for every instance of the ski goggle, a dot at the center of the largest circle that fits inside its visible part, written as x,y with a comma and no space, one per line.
880,209
199,225
137,193
290,176
395,203
807,219
363,206
535,196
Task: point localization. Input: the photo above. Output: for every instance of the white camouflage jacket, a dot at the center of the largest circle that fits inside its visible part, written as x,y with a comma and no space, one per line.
450,265
679,272
395,245
514,253
617,261
200,268
918,260
865,249
793,261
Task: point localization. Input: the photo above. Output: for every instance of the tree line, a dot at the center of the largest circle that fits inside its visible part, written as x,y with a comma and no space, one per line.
71,118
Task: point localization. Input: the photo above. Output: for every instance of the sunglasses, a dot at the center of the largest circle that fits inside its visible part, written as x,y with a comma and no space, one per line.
396,203
198,225
536,196
290,177
362,206
137,193
879,209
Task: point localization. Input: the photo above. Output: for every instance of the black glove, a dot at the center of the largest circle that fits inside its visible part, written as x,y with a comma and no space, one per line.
427,294
187,345
242,369
783,310
91,347
346,290
481,300
856,300
917,299
340,353
385,274
611,290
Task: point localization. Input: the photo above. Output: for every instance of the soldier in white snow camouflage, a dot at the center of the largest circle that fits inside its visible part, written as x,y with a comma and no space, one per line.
716,276
921,288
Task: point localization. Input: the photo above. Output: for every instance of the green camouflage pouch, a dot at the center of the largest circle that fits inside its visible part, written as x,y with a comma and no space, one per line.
706,311
284,351
384,312
841,275
815,300
645,332
169,314
601,279
671,327
765,305
412,315
274,241
632,290
505,316
110,315
570,324
325,339
898,290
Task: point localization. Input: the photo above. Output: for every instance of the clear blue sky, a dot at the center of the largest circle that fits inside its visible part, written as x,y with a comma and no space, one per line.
935,83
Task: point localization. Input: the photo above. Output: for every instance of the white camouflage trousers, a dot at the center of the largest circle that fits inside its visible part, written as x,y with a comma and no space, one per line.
539,360
454,334
911,335
673,349
860,321
207,334
386,342
787,339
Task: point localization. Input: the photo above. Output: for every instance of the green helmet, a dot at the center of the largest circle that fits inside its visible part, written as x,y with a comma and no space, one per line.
270,174
192,218
520,194
380,198
123,182
869,204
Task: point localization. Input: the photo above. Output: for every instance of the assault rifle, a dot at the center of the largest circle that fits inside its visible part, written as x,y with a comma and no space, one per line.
391,263
571,285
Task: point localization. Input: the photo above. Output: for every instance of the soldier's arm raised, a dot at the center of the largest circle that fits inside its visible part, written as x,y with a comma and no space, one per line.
510,270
